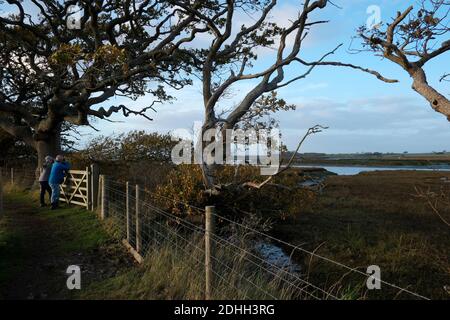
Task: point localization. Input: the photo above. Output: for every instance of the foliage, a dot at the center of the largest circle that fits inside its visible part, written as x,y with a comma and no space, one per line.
14,151
259,115
131,146
136,156
52,73
184,187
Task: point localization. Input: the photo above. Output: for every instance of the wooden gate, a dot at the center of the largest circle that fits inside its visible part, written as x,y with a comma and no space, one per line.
80,187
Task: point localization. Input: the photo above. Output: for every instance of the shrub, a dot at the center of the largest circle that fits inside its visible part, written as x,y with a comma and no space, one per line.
184,191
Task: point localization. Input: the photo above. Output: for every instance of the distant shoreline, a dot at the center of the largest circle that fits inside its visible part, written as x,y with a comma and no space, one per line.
438,160
372,165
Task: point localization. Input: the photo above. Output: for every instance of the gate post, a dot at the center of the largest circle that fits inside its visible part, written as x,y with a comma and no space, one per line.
88,188
94,185
12,176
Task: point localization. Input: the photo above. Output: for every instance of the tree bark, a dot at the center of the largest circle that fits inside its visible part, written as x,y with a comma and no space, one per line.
44,142
47,144
207,166
437,101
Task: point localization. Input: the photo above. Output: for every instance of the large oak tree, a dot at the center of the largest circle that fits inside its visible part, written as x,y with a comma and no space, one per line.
59,60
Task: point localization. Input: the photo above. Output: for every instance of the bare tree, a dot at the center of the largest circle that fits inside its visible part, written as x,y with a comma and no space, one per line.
229,60
53,72
411,40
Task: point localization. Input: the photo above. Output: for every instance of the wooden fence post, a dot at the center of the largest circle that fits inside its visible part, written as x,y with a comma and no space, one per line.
94,185
138,222
105,207
88,188
100,193
209,231
128,210
12,176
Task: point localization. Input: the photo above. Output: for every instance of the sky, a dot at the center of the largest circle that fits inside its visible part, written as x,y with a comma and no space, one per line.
363,114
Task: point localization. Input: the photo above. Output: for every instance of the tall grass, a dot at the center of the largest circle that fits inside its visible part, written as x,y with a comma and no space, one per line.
174,269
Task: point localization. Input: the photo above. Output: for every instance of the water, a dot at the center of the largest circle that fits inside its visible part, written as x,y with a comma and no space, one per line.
354,170
275,257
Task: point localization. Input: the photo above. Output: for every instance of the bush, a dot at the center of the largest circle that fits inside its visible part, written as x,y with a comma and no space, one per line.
184,190
137,156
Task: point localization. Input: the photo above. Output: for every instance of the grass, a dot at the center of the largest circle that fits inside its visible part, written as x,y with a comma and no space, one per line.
176,272
39,241
371,218
74,227
11,252
375,218
167,274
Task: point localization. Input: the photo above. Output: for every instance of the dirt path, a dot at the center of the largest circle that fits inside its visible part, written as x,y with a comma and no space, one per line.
47,242
37,270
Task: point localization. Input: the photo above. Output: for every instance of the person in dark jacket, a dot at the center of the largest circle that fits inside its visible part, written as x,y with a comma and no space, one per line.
43,179
57,174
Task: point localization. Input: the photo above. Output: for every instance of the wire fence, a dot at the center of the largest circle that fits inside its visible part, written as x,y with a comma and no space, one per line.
237,260
18,177
15,178
246,261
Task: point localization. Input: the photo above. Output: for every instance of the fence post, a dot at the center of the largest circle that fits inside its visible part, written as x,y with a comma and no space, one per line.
128,210
138,222
12,176
100,194
209,230
94,185
105,207
88,188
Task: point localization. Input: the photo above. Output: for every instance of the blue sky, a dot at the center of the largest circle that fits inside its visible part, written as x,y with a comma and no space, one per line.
363,113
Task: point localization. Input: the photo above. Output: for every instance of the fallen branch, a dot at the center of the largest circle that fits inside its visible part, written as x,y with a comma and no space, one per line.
256,185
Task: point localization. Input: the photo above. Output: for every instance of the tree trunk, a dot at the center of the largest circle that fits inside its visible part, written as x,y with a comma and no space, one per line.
48,144
437,101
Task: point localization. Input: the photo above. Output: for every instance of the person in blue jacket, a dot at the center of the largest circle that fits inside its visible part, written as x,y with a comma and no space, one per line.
59,168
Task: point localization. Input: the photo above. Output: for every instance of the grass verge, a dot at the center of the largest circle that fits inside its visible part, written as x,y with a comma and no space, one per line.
39,241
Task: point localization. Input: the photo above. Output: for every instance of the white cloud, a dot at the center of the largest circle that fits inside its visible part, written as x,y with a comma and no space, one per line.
389,123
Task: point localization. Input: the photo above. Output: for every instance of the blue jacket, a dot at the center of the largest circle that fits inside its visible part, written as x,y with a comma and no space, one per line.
57,173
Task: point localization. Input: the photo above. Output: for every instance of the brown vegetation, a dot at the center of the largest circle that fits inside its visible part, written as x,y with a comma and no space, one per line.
377,218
